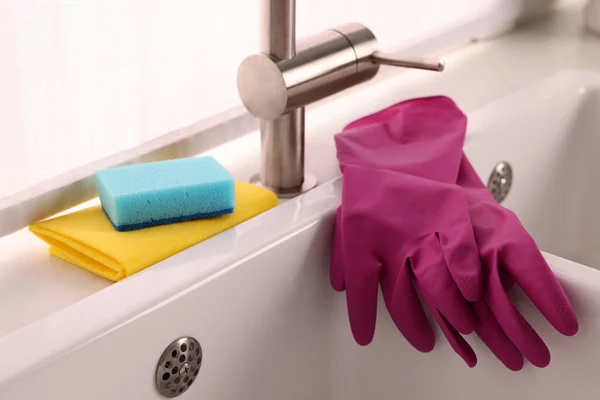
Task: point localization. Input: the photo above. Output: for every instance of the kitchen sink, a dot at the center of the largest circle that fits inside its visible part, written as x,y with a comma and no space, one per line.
258,298
271,326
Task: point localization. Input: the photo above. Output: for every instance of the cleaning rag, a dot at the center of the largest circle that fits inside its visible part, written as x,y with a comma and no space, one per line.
88,240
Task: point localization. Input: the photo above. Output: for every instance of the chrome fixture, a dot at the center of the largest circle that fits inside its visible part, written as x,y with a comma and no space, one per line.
178,367
500,181
276,85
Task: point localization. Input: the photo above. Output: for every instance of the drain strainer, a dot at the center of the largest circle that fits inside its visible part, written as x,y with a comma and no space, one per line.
500,181
178,367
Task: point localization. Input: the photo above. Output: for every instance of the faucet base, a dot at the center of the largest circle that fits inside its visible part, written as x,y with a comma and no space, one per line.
310,182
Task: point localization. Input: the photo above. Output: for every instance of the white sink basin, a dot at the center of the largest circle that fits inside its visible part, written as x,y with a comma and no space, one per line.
271,327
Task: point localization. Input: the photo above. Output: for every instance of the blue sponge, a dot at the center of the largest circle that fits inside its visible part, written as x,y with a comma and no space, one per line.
162,192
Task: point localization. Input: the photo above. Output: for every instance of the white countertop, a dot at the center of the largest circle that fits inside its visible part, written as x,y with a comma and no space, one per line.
35,285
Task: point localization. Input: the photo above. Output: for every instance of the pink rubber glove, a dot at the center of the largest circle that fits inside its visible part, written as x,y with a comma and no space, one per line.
393,229
419,137
437,249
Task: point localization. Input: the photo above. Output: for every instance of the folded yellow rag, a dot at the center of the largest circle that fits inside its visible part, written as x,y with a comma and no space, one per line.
87,239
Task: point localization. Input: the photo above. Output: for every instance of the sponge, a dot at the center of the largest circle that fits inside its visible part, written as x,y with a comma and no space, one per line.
162,192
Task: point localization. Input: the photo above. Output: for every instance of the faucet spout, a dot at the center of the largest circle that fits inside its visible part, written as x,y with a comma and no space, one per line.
286,76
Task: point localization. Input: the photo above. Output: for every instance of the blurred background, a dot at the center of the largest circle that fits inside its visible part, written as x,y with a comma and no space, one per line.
82,79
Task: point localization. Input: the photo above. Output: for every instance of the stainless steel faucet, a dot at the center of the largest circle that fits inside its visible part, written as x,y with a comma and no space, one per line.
276,85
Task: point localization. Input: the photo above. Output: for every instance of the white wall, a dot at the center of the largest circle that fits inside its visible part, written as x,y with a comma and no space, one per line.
81,79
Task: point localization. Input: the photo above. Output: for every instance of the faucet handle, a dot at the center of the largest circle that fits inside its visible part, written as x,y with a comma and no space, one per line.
400,60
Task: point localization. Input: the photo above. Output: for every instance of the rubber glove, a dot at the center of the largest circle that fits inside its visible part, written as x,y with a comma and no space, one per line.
427,221
419,136
394,228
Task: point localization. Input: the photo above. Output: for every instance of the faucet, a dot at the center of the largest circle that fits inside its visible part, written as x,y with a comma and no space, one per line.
278,83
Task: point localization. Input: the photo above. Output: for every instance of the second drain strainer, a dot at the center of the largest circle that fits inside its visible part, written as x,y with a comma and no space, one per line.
500,181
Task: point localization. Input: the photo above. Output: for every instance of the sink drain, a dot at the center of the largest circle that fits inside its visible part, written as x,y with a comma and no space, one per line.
178,367
500,181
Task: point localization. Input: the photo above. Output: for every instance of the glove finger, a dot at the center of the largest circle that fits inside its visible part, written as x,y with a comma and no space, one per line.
492,335
361,296
362,273
431,272
462,258
457,342
524,337
532,273
336,263
405,308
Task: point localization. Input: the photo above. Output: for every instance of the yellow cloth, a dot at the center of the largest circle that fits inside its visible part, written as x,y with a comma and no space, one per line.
87,239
